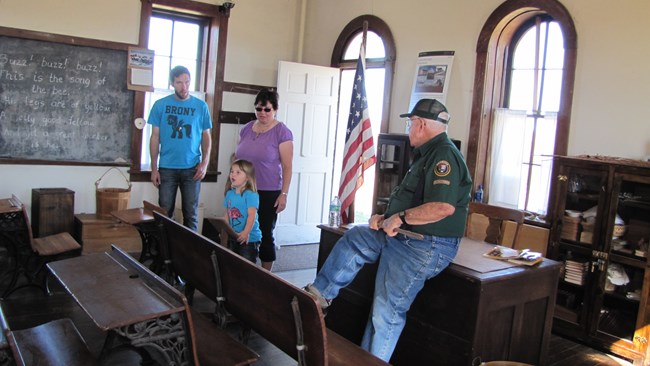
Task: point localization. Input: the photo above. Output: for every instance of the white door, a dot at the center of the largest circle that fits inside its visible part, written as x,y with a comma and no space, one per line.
308,106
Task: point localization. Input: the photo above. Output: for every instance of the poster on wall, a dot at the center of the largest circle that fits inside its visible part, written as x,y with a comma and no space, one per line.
140,69
432,75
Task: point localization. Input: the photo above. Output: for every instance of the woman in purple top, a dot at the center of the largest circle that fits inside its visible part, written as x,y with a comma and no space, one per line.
268,144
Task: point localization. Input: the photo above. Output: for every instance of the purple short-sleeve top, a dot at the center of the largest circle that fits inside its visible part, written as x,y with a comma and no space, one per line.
263,151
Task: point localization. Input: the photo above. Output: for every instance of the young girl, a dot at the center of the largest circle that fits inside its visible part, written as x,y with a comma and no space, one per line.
242,202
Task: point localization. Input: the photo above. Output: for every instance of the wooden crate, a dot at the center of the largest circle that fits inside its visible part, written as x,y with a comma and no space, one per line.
52,211
96,234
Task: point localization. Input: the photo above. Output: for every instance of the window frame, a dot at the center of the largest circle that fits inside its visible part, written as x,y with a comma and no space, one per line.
346,36
211,80
490,77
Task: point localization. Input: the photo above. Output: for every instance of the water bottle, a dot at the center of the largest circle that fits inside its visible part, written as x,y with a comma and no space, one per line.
335,212
478,195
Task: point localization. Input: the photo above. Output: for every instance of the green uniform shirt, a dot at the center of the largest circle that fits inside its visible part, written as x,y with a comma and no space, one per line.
446,179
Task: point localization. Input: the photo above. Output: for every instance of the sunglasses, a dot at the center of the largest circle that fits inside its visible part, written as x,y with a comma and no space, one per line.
259,109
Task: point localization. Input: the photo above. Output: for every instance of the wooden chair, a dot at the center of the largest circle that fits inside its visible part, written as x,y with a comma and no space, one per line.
54,343
32,254
487,223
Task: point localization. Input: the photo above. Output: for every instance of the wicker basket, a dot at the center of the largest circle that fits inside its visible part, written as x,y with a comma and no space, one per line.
111,199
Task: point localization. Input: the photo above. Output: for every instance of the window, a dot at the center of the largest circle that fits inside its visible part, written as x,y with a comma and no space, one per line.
522,101
175,40
521,172
171,23
380,59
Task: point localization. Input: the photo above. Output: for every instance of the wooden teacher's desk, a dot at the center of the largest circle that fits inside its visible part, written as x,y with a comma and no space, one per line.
122,297
476,310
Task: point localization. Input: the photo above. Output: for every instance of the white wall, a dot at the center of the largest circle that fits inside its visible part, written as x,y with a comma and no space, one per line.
610,106
612,90
252,58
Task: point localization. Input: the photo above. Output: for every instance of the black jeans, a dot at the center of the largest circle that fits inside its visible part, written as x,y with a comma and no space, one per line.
267,219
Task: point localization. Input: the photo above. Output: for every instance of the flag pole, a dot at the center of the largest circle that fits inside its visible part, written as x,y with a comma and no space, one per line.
359,152
363,44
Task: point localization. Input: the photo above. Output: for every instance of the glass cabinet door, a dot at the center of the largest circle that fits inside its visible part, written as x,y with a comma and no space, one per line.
393,160
581,205
624,295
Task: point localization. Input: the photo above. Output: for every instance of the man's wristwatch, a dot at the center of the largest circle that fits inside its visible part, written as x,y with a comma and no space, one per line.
402,216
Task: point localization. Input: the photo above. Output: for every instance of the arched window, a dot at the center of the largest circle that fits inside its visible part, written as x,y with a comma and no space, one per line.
521,109
380,62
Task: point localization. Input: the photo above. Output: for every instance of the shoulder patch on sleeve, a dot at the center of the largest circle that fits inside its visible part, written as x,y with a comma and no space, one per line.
442,168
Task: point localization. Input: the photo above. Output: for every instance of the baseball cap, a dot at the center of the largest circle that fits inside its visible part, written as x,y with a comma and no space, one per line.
429,109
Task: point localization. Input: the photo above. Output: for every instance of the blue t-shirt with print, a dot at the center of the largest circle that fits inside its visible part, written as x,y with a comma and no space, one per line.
237,206
181,124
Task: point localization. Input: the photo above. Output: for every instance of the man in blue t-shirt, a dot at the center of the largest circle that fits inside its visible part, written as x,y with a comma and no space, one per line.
181,138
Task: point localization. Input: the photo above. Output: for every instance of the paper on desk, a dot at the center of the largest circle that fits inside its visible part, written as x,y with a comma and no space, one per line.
523,256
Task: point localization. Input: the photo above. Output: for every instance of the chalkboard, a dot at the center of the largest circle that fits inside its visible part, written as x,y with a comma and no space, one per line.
63,102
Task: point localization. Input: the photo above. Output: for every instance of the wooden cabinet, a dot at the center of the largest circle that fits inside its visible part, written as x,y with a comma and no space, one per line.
478,309
52,211
394,157
393,161
600,216
96,234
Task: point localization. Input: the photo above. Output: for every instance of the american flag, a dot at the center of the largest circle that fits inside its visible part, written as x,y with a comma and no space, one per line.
359,151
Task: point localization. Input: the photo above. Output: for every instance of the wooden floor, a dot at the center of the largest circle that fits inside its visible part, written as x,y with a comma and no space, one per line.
29,307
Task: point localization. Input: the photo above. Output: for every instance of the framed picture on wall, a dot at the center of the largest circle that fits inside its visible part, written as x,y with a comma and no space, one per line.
140,69
432,75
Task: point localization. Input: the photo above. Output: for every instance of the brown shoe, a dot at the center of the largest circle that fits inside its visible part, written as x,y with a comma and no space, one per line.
313,291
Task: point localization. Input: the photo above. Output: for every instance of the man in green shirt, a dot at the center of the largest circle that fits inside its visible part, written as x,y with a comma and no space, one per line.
432,200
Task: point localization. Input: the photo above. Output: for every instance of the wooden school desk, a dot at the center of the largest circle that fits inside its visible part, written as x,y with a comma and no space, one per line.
12,239
135,306
153,253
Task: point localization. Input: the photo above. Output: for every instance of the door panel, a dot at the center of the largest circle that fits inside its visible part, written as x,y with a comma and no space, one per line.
308,105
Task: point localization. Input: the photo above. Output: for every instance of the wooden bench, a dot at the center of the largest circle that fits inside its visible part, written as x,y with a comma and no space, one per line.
282,313
54,343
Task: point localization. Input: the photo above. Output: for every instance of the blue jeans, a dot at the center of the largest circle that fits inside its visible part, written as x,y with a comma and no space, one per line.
246,250
404,265
170,181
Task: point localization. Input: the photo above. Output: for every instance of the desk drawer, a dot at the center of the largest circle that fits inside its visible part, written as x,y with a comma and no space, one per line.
96,234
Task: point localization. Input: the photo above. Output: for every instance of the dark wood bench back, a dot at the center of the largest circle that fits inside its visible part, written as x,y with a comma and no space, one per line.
253,295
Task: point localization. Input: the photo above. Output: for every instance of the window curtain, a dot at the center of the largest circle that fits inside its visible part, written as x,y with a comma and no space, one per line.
543,163
508,139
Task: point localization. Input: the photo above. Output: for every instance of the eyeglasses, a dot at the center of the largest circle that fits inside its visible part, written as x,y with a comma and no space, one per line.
409,121
259,109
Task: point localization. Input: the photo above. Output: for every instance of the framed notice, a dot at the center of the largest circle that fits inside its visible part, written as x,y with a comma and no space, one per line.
140,69
432,75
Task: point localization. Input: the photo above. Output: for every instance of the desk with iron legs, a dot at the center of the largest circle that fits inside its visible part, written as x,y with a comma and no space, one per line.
153,253
136,307
14,240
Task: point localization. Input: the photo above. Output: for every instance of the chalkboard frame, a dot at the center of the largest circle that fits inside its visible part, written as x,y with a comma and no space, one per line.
75,41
